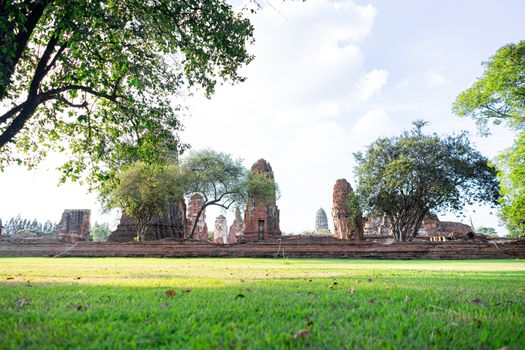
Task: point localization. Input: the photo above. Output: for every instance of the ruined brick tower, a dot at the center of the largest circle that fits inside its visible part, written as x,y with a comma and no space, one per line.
74,225
261,221
348,223
201,230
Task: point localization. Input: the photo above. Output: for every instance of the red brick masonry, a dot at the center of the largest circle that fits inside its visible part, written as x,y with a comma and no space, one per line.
292,248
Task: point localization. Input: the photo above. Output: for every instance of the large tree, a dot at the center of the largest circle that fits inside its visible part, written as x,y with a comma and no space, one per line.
409,175
95,78
223,181
144,191
499,96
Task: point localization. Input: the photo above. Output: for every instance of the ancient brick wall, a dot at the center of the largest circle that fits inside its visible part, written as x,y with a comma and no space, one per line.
169,225
295,248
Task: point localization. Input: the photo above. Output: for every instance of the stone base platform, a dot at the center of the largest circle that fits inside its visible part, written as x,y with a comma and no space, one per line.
291,248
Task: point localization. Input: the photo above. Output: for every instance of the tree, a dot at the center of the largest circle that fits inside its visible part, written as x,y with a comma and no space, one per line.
355,220
224,181
491,231
143,191
499,96
406,176
95,79
511,172
100,232
17,223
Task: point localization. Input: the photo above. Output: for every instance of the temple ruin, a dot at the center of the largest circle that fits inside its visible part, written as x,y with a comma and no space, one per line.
201,230
235,233
220,236
430,226
345,227
261,221
321,222
74,225
378,226
171,224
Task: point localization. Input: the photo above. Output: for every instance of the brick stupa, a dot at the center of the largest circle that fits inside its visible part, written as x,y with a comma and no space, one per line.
261,221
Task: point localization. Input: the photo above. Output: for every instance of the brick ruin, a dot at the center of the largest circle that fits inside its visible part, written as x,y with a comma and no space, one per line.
74,225
321,222
235,233
220,236
341,213
378,226
431,226
201,231
261,221
171,224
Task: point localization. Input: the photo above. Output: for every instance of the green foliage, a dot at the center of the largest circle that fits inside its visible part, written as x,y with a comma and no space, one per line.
355,219
100,232
223,181
261,304
499,95
490,231
144,190
97,79
511,172
16,224
406,176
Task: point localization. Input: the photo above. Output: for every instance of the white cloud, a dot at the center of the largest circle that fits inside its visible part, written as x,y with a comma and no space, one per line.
376,121
296,107
433,79
371,84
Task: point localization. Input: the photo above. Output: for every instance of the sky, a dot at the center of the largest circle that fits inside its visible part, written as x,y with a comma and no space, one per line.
328,78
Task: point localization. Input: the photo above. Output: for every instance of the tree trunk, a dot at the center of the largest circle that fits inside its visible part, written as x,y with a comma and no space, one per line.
8,63
406,226
32,101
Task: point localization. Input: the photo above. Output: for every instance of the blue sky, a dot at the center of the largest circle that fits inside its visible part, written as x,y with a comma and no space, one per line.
328,79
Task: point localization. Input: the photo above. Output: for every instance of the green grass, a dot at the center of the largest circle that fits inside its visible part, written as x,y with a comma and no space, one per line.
112,303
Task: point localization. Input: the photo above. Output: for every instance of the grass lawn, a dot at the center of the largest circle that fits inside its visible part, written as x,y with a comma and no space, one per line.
128,303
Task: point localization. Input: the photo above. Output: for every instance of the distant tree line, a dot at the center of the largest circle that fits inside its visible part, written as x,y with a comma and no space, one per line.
17,224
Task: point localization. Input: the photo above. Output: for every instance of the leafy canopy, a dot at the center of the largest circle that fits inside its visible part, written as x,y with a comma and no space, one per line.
144,190
406,176
96,79
499,95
